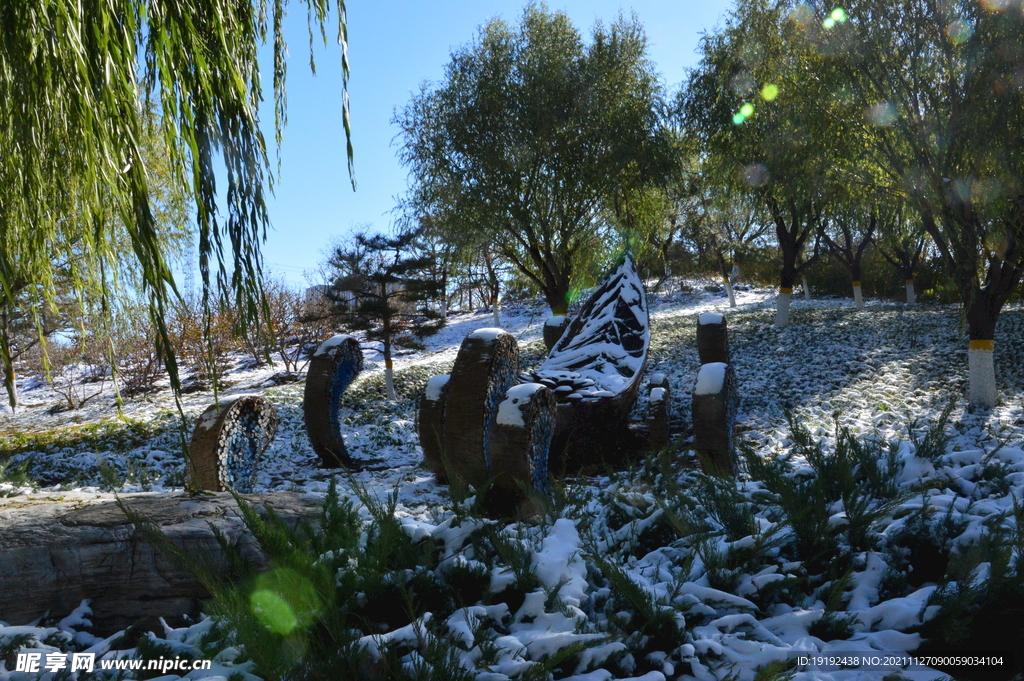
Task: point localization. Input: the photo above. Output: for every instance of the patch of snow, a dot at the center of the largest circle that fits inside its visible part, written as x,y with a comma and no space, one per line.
711,318
487,333
710,378
330,345
518,396
435,386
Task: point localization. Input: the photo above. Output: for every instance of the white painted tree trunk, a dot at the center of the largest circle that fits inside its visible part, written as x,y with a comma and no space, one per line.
496,313
728,289
807,288
444,309
858,297
981,373
911,298
389,380
782,307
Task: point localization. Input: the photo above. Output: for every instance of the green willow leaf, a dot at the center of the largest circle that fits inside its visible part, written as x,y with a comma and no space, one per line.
78,80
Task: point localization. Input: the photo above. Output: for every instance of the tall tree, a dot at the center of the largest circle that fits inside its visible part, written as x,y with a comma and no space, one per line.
529,134
71,130
903,243
935,82
755,108
847,235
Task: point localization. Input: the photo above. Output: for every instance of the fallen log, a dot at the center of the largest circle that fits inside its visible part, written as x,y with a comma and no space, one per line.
57,549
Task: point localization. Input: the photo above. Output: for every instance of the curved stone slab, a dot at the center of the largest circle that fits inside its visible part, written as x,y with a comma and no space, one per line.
333,367
484,370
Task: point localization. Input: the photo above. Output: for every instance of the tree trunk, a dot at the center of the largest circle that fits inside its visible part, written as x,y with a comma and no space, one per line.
557,296
982,314
911,298
11,385
782,307
858,296
389,367
785,296
727,280
807,289
9,376
444,295
389,378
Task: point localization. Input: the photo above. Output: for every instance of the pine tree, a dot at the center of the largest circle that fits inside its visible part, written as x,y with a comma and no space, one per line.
380,288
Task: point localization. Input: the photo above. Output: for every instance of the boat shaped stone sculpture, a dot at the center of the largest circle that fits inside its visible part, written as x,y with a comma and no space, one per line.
596,367
482,424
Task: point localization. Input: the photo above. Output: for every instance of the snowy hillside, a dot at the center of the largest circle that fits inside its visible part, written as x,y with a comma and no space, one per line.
875,511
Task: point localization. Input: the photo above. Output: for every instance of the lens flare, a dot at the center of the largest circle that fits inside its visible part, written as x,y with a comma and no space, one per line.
882,114
802,14
747,110
959,31
738,119
838,15
769,92
754,175
273,612
284,601
996,5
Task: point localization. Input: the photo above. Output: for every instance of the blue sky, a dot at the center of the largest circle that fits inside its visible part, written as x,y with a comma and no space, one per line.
394,46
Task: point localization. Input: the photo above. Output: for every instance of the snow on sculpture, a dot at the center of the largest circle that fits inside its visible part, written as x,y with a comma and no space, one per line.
228,442
596,367
334,366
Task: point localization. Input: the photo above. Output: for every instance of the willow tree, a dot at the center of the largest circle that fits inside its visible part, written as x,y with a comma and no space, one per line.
935,82
77,80
757,112
529,135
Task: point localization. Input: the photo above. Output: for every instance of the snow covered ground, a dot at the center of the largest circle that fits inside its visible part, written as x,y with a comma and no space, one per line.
730,567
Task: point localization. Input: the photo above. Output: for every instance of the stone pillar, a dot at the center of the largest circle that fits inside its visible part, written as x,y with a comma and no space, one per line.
430,424
554,327
520,445
228,442
712,338
658,410
715,403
